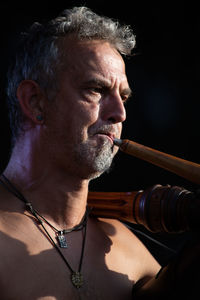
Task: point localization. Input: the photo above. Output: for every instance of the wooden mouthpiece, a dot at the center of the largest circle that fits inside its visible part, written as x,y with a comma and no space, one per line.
183,168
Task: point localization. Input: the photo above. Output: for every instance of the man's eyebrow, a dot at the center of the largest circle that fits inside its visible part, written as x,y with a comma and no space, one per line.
99,82
106,84
126,92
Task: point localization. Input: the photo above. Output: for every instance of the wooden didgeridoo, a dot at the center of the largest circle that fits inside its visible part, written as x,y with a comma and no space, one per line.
183,168
158,208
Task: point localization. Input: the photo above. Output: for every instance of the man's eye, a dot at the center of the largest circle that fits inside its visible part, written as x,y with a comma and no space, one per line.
92,93
124,98
96,90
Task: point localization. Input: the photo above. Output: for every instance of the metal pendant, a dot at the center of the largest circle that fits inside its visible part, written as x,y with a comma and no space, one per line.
61,239
77,279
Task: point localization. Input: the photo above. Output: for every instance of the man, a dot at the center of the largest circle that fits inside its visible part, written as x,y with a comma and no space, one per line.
66,94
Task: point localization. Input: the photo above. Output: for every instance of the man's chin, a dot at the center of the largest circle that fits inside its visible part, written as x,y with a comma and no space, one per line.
95,160
98,173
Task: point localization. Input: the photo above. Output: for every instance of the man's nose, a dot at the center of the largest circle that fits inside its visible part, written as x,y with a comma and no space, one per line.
113,109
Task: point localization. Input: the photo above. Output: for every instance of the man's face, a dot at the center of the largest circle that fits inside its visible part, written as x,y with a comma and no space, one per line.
88,110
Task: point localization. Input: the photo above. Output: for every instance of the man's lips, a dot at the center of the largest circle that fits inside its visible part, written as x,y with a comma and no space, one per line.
110,136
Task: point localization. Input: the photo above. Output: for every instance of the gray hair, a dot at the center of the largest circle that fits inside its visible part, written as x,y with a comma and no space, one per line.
38,57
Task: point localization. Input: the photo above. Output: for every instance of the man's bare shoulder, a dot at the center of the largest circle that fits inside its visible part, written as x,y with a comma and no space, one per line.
130,248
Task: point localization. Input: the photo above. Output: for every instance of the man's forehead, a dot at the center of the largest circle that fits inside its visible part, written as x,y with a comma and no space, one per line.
73,46
98,58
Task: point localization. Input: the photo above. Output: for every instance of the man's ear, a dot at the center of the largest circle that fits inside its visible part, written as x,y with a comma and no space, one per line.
32,100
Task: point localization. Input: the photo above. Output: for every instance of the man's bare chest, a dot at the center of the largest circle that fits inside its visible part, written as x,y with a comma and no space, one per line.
33,269
42,275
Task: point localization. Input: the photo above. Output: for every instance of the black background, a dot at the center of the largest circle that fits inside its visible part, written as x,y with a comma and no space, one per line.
164,76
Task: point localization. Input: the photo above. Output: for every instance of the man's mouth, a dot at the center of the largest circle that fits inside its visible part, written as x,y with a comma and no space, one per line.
107,135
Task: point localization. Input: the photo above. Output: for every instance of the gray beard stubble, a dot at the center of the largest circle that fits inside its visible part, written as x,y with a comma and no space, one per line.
98,160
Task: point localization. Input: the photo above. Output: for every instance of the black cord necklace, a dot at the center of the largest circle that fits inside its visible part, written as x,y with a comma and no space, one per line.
76,276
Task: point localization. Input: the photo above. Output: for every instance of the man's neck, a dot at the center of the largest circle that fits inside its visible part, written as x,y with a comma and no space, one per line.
57,196
55,191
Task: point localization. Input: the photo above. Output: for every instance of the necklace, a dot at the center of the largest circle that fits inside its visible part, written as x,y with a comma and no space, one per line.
76,276
60,234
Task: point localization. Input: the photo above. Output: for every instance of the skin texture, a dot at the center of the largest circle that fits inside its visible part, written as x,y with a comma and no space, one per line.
52,164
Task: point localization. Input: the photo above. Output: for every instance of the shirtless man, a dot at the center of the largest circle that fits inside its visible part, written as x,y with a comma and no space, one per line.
66,93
